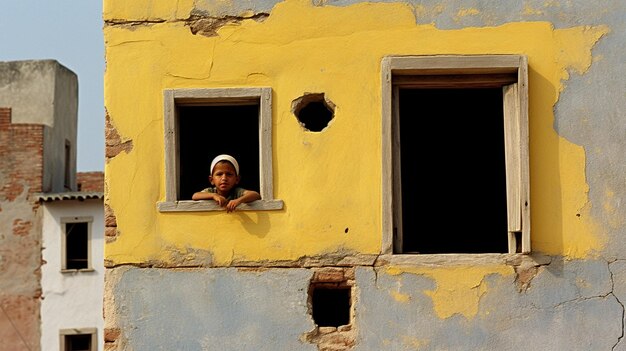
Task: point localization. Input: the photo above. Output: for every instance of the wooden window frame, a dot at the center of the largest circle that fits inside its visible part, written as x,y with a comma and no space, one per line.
79,331
64,222
456,71
217,96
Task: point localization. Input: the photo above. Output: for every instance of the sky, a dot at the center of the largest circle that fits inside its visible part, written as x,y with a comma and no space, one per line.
69,31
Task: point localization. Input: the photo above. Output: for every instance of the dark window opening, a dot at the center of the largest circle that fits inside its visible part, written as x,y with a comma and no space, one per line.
313,112
67,169
78,342
330,306
453,171
207,131
77,245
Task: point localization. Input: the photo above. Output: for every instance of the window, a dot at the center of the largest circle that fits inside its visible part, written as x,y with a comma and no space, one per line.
201,124
75,243
81,339
67,165
455,154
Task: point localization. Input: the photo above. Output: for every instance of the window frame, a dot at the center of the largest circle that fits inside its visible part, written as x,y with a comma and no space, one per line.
64,222
79,331
459,71
217,96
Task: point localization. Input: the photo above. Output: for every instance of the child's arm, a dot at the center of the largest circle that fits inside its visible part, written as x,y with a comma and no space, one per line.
247,196
202,195
205,195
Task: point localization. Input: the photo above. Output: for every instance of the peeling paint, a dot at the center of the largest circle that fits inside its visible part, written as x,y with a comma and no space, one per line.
190,257
400,297
413,343
528,10
210,26
611,205
574,48
458,289
467,12
572,231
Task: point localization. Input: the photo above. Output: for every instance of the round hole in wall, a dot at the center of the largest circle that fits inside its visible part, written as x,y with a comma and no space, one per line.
313,111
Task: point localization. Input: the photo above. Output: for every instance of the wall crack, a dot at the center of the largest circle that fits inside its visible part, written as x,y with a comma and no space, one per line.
621,336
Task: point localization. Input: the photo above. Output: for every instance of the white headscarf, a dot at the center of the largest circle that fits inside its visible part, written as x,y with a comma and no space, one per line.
225,157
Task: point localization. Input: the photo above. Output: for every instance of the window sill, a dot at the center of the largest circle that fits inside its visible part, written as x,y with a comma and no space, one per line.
77,270
210,205
460,259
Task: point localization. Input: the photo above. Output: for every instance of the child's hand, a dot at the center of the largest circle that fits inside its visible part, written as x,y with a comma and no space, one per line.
232,205
220,200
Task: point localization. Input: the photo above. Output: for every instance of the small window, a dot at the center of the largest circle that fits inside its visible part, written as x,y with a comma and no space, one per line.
76,237
67,165
455,158
80,339
201,124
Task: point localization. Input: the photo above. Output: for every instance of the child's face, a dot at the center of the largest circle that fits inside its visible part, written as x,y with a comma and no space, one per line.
224,177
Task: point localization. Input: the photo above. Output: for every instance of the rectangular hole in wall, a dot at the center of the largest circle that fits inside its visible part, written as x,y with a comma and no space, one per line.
330,305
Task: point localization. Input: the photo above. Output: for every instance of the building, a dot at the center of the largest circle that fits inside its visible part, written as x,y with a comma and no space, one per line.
72,276
435,175
50,281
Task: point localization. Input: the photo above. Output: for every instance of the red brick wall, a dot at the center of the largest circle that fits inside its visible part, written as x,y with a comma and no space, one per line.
21,172
90,181
21,156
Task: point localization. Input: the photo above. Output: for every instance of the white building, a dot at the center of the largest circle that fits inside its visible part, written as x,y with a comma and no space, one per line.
72,271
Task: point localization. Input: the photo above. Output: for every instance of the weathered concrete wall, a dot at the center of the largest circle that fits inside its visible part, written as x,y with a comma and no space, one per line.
71,299
564,296
45,92
571,306
28,87
201,308
65,109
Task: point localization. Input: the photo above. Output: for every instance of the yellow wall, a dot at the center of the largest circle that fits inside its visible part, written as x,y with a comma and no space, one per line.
328,181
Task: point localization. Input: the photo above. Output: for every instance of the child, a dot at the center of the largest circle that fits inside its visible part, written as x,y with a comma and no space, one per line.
224,178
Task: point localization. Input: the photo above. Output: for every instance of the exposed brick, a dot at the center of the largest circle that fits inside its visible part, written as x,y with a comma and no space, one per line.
115,149
109,217
21,157
90,181
111,334
12,190
110,231
328,274
348,273
331,339
21,227
114,144
5,117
